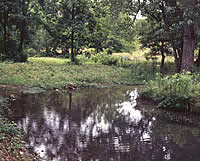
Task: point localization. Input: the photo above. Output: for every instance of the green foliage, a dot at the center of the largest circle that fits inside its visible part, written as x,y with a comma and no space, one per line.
13,29
10,129
88,51
31,52
44,27
180,91
3,104
21,57
81,59
153,37
13,54
105,58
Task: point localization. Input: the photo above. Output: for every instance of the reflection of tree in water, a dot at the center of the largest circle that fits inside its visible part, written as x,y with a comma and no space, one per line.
97,124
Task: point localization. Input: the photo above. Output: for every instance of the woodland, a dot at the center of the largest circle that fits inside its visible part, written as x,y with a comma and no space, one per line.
67,44
65,27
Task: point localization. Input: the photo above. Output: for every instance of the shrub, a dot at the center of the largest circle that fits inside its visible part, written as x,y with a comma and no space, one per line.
21,57
105,58
88,51
179,91
81,59
100,58
30,52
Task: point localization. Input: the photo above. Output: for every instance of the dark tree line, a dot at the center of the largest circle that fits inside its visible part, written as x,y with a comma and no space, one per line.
13,25
42,26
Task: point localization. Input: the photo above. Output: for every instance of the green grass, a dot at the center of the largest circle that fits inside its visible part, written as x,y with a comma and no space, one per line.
50,73
56,75
128,55
48,60
139,55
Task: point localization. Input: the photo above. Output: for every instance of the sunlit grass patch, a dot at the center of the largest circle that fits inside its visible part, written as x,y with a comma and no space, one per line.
48,60
49,73
50,76
140,55
124,55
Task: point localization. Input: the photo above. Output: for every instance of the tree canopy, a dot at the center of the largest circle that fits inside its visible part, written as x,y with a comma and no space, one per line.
63,26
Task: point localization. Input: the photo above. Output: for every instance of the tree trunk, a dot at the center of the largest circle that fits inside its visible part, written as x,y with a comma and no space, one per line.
5,46
177,58
163,59
72,35
189,40
180,56
47,50
22,37
72,47
188,48
25,5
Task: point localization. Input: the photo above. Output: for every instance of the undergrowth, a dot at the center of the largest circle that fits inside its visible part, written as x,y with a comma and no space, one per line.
178,91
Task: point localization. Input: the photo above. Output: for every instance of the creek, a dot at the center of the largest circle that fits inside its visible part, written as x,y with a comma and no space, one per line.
107,124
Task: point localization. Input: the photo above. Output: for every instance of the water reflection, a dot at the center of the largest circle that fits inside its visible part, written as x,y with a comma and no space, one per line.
101,124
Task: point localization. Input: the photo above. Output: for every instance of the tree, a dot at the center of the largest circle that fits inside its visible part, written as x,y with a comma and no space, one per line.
152,36
67,22
7,12
13,20
113,31
178,17
189,36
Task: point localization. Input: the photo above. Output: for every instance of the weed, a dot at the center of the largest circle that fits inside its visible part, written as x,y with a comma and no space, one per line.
178,91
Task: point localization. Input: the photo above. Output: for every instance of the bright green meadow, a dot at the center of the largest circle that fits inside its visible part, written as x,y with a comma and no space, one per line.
49,73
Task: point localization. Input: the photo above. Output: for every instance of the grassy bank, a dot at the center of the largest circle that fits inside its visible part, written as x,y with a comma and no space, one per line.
56,73
11,139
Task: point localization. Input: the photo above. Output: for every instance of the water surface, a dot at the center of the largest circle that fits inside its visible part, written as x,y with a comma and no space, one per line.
102,125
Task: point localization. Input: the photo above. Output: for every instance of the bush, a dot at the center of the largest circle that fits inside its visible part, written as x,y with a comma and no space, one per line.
30,52
100,58
179,91
81,59
13,54
21,57
88,51
105,58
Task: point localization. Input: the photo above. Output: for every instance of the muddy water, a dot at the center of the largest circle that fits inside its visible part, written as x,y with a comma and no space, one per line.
102,125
